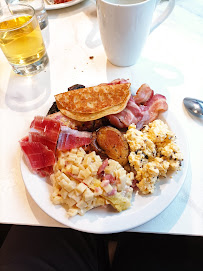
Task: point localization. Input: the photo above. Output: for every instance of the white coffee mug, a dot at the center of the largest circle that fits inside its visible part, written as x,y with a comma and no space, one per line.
125,25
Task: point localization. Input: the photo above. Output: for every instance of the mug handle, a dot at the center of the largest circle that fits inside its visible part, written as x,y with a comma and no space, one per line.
164,15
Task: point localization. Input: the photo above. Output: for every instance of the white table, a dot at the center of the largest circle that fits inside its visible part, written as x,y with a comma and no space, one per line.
171,63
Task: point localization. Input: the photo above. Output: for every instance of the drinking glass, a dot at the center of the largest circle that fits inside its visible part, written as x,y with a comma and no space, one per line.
21,39
39,8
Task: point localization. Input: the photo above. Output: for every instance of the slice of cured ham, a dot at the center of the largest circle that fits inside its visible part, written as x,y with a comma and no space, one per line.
64,120
36,137
46,171
70,139
40,145
37,155
47,127
77,125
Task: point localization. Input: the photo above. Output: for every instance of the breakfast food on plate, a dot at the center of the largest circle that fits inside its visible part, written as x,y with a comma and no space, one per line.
40,145
141,109
153,152
94,102
61,1
112,141
78,125
98,143
70,139
82,181
52,2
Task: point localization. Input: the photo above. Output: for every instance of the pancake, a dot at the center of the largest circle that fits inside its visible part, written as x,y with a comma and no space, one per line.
94,102
93,116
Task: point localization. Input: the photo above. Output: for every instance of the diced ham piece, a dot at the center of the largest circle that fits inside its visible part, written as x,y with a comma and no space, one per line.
74,176
37,155
110,178
70,139
112,192
46,127
104,183
102,167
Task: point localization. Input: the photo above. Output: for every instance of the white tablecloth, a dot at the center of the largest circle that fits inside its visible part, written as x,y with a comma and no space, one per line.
171,63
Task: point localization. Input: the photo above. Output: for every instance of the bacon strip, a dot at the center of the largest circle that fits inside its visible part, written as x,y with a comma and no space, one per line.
143,94
74,176
131,114
112,192
145,110
115,120
70,139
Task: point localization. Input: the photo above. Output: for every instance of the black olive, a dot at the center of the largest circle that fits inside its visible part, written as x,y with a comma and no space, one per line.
53,109
76,86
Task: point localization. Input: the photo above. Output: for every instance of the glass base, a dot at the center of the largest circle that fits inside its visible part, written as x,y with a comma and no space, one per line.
33,68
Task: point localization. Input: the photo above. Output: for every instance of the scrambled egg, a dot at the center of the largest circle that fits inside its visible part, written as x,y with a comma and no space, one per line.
153,152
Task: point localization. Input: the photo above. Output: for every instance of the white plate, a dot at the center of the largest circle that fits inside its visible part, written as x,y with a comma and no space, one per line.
106,220
62,5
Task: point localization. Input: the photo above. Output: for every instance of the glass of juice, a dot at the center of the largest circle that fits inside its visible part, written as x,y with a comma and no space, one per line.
39,8
21,39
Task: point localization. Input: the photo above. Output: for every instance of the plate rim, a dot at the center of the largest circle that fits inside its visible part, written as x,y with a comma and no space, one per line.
118,228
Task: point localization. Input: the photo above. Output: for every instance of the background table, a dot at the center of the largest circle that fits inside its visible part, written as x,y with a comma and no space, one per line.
171,63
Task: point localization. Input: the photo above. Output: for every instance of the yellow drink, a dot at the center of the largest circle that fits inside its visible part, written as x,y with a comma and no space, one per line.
21,40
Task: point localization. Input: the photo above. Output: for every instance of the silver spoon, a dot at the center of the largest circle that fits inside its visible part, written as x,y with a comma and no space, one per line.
194,106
